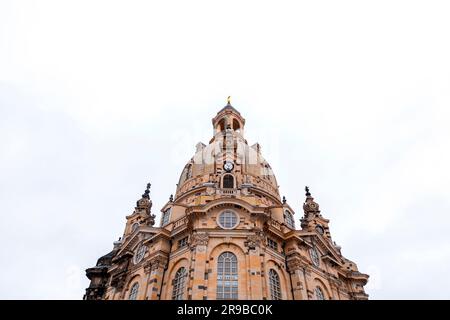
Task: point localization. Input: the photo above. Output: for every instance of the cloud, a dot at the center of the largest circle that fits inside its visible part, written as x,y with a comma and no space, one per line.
97,98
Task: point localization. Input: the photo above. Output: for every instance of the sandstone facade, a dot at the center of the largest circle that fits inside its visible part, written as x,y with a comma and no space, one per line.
227,234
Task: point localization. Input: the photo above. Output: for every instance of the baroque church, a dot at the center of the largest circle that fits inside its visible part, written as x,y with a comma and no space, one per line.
226,234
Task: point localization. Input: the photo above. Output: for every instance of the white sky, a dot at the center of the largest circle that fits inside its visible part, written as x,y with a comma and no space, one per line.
349,97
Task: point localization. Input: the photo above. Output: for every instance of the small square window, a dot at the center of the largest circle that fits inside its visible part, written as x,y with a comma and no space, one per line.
272,244
183,242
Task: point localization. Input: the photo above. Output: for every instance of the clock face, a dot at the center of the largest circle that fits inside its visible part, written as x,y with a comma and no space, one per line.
228,166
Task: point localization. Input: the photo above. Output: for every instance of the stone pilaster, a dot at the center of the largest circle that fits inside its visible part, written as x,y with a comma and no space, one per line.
296,271
254,265
199,243
154,269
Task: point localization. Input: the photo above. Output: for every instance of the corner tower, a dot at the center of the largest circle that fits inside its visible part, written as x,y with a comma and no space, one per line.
226,234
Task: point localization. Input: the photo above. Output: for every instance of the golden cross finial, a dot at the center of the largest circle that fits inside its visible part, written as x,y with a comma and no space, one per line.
229,99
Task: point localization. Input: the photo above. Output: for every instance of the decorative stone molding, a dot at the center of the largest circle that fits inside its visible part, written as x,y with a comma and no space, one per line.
118,281
148,267
99,279
252,242
296,262
155,264
185,242
151,220
227,240
144,204
334,282
94,293
310,206
199,239
255,240
294,265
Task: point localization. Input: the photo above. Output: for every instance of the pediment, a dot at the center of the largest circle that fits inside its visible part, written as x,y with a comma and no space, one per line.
132,242
327,251
222,202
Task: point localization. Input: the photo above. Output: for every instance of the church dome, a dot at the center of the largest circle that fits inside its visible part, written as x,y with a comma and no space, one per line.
226,218
228,164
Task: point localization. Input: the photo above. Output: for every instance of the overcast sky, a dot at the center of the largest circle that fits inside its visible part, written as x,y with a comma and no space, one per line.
351,98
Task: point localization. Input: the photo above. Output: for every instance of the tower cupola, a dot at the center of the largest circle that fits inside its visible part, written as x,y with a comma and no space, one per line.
228,118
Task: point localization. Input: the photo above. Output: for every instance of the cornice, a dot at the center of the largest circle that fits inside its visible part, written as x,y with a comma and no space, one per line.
185,194
266,194
276,254
356,275
226,201
162,234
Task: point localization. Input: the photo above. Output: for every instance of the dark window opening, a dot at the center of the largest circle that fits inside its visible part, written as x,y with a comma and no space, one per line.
236,125
228,181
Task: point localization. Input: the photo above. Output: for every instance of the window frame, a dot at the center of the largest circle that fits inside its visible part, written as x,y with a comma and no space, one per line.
319,229
232,179
183,242
218,220
227,287
134,227
321,295
167,213
275,285
140,254
315,256
272,244
289,219
179,283
134,291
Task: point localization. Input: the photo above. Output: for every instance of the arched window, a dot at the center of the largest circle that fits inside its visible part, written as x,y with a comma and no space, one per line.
319,294
227,276
165,219
275,287
221,125
134,291
228,181
236,125
134,227
314,256
289,219
178,284
320,229
140,253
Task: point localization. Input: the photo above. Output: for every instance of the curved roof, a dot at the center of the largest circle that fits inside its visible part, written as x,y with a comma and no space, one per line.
206,166
229,106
